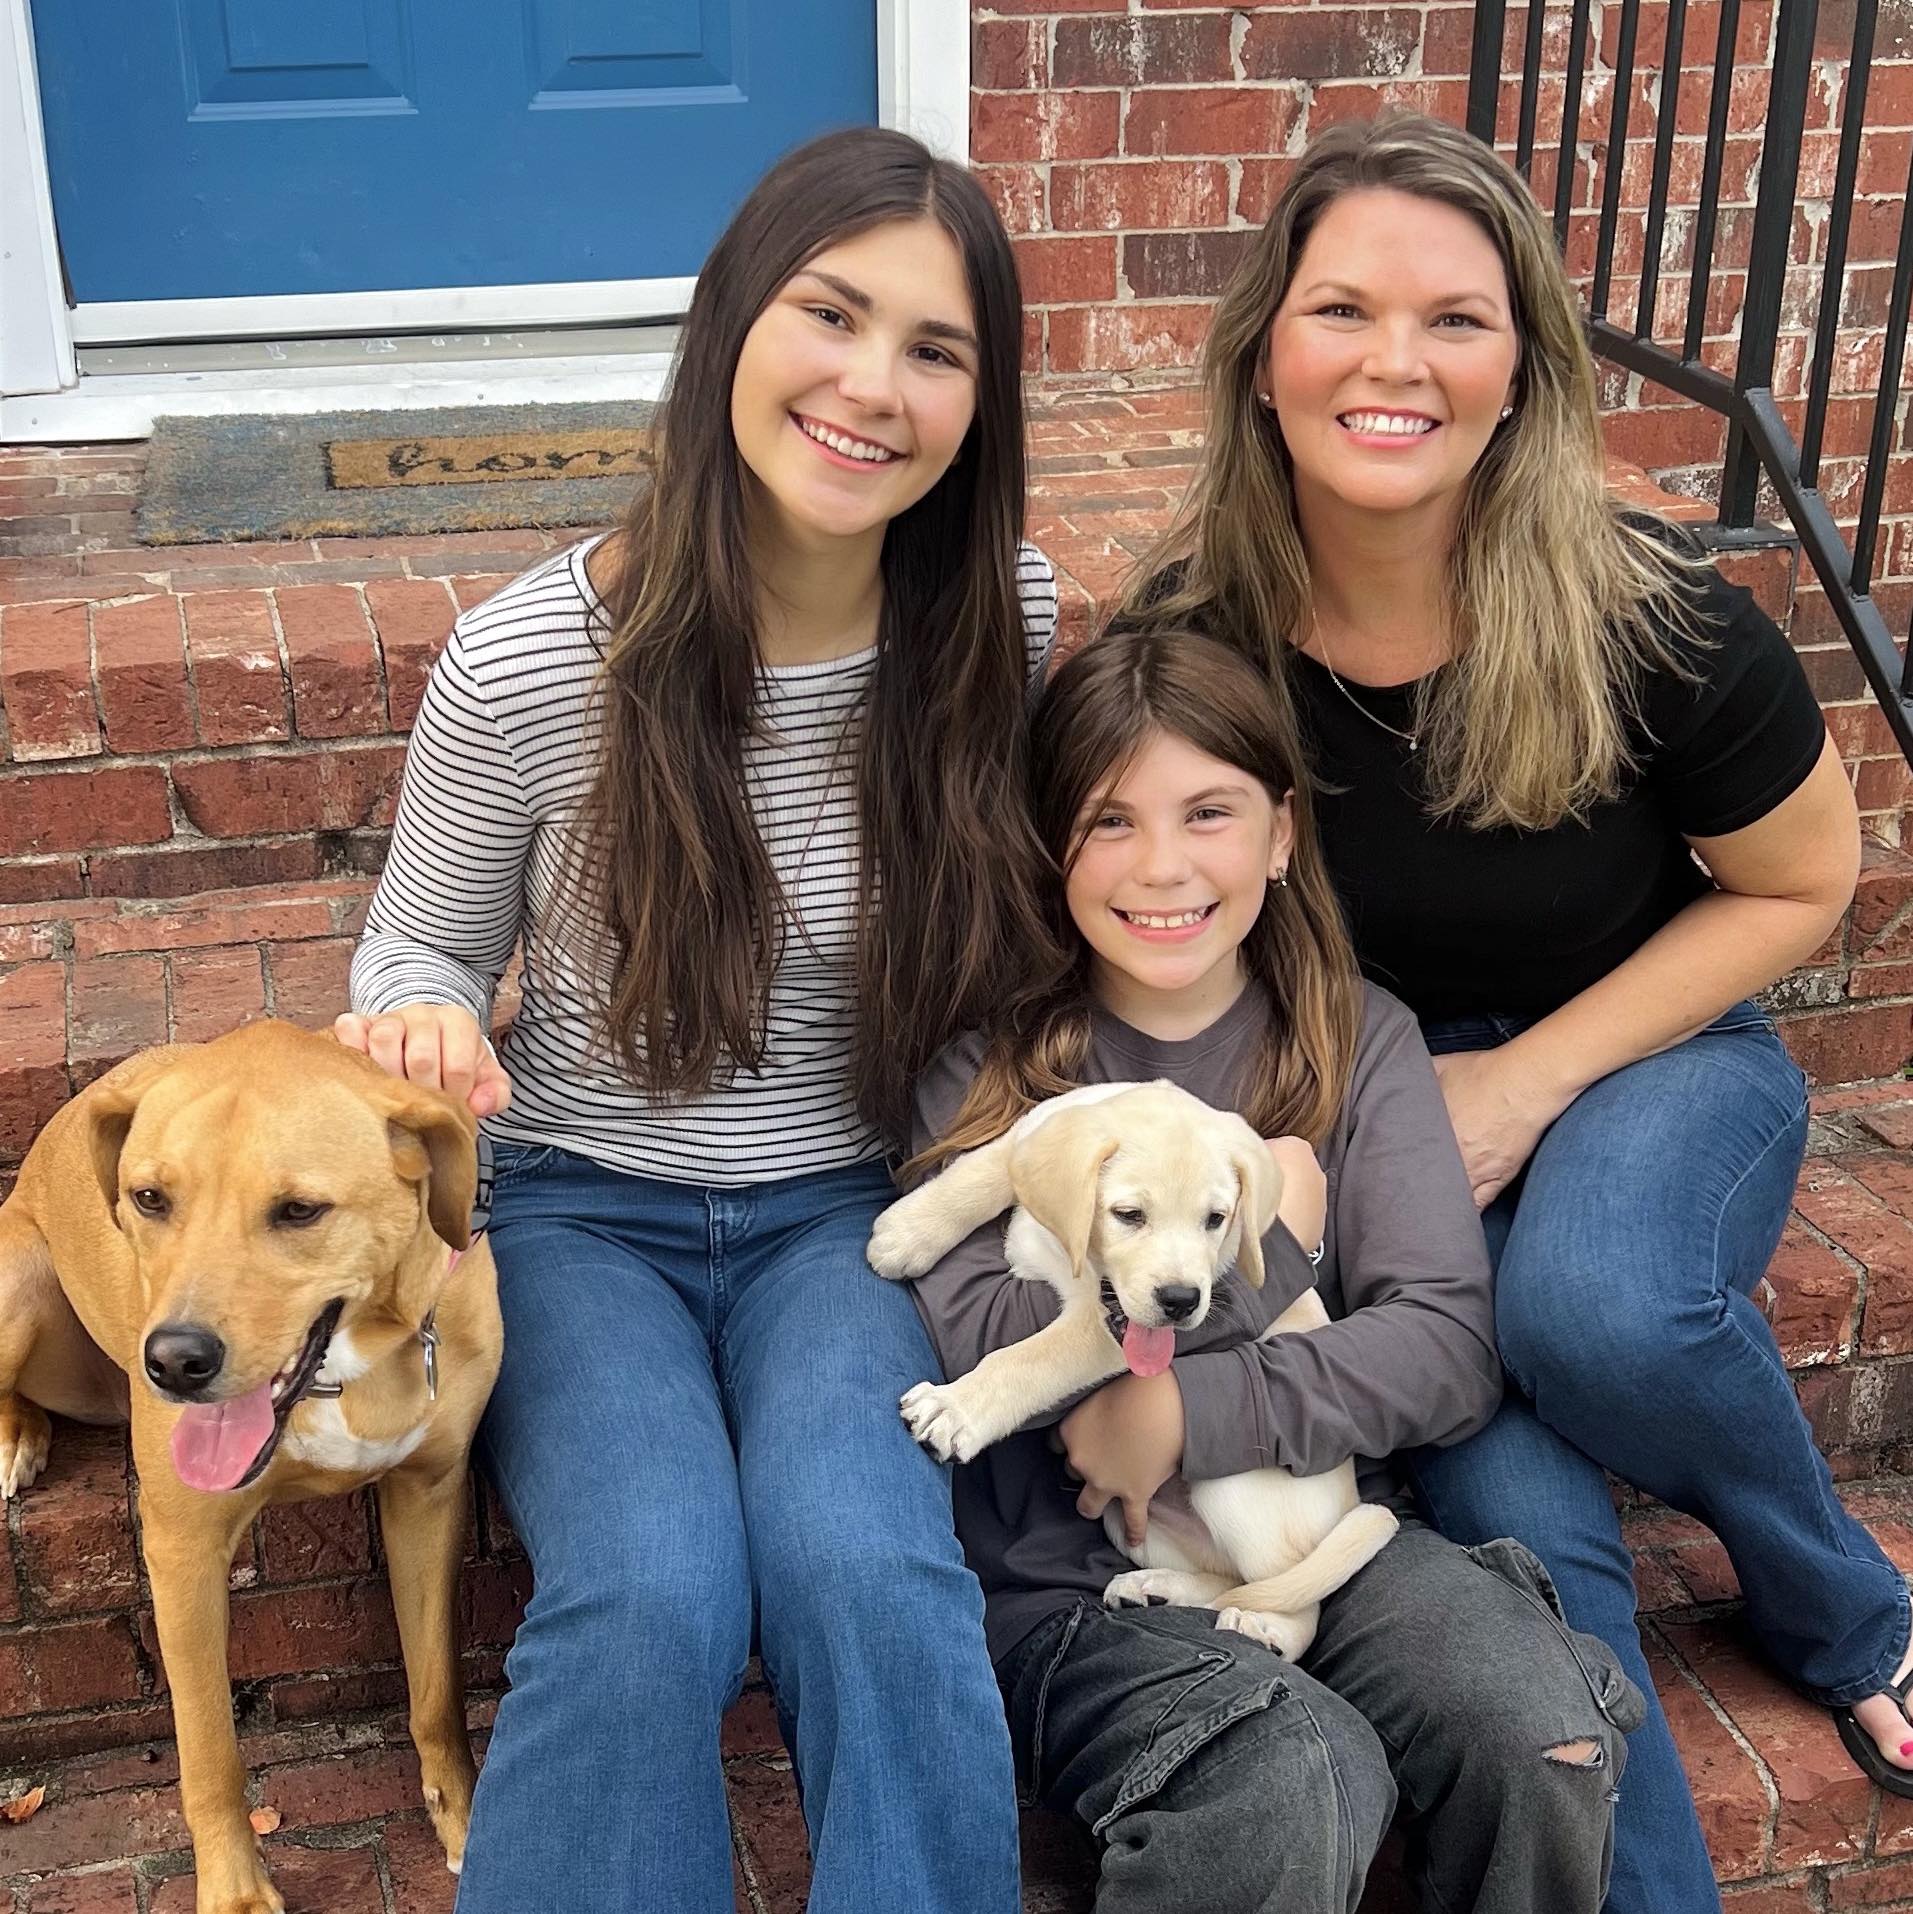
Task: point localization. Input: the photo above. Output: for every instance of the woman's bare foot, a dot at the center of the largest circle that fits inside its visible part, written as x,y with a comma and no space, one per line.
1883,1716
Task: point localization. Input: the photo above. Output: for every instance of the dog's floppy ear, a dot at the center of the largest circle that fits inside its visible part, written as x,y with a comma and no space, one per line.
1055,1173
434,1142
1259,1184
107,1111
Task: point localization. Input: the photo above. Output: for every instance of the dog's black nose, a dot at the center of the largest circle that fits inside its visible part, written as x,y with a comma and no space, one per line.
1178,1301
182,1358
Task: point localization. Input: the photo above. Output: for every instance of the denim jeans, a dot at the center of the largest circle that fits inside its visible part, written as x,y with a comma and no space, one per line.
1625,1256
1221,1779
695,1431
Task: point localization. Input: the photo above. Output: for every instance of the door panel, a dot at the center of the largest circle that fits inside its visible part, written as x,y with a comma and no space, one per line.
210,148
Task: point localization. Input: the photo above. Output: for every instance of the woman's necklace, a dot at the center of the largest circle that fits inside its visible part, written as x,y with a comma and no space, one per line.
1410,738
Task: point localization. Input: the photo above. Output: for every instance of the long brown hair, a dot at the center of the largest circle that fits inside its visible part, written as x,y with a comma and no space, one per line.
668,853
1558,601
1096,714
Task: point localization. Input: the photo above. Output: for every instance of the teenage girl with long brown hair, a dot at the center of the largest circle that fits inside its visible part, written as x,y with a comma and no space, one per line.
744,779
1202,942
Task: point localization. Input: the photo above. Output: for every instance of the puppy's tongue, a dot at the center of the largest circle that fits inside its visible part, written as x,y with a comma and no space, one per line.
1148,1352
215,1443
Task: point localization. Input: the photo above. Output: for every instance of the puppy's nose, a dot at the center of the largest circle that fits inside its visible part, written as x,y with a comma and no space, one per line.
182,1358
1178,1301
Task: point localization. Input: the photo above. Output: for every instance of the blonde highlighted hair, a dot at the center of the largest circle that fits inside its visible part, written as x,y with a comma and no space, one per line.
1557,600
1095,716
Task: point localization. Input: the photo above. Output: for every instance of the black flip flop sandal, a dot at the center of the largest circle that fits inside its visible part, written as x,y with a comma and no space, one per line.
1867,1758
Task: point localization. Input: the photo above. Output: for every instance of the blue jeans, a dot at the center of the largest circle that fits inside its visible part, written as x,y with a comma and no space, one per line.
696,1428
1625,1257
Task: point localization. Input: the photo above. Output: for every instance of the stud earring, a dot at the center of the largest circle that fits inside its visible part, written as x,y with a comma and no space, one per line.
1507,411
1263,396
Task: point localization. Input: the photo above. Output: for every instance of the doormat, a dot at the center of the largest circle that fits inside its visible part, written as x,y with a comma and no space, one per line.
368,474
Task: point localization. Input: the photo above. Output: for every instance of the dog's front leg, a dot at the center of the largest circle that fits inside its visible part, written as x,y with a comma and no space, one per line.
958,1420
189,1549
422,1520
916,1229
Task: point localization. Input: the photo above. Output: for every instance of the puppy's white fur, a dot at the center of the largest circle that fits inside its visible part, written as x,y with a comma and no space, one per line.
1262,1548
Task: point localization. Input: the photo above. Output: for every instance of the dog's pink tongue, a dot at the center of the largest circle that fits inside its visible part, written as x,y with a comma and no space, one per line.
1148,1352
214,1443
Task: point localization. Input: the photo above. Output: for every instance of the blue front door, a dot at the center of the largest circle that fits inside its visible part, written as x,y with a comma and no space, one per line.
201,148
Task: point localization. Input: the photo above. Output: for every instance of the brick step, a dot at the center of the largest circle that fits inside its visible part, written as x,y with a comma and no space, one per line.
1786,1815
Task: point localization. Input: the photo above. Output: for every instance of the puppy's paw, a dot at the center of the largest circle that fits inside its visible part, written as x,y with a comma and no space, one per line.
1140,1586
25,1436
904,1241
936,1418
1288,1635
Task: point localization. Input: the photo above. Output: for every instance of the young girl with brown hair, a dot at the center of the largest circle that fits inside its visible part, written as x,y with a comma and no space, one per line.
1204,945
744,778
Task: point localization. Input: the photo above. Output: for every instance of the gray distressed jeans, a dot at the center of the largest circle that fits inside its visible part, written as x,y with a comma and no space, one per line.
1217,1778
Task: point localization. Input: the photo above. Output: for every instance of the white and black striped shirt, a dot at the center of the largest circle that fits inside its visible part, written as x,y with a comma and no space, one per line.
500,762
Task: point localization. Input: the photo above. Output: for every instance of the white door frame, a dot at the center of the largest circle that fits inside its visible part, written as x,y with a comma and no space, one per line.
923,85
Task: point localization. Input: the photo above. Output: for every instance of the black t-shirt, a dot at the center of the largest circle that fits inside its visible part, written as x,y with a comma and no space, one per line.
1454,920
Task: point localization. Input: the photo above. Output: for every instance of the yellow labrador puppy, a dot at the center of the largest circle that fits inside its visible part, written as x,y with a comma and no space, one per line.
259,1249
1131,1202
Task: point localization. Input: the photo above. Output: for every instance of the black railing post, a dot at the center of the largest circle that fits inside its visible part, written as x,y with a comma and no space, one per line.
1772,242
1484,68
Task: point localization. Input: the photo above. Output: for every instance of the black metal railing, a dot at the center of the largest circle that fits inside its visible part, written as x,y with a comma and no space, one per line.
1758,437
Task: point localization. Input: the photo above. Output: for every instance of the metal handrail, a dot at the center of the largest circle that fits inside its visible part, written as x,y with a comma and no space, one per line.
1758,440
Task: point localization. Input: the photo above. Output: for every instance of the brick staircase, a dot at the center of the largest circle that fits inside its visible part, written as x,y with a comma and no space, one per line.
201,753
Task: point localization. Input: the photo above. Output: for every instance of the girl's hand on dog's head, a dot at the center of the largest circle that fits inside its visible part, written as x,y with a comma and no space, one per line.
438,1045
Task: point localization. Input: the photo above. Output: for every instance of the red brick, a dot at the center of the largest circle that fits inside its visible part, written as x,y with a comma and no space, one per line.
327,1697
1879,1238
335,790
1231,121
1044,126
309,979
344,1789
1262,181
1337,101
1728,1794
75,1531
33,1081
118,1007
50,1667
492,1598
1009,55
475,588
40,880
1057,271
237,677
1139,195
421,1882
1814,1294
1845,1046
770,1829
1325,43
215,990
46,679
413,618
1877,1887
77,1829
310,1880
333,662
300,1541
1136,50
1126,338
288,1631
93,810
188,871
224,918
141,662
102,1891
1182,265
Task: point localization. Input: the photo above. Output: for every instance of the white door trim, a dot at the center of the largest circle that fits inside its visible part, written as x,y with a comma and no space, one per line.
923,86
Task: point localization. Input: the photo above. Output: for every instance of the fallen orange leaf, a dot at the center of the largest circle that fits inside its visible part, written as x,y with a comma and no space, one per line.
264,1820
23,1807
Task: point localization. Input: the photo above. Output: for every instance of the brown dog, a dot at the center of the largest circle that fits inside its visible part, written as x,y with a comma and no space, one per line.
260,1236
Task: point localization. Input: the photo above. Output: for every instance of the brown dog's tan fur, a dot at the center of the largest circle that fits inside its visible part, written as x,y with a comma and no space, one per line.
229,1130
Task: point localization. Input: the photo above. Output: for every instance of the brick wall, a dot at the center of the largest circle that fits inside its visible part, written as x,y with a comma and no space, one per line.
1133,147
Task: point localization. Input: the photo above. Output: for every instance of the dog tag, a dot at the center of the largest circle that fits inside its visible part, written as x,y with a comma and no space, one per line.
428,1339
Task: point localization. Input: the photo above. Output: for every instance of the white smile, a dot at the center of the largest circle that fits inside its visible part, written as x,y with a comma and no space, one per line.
1399,425
1166,920
843,444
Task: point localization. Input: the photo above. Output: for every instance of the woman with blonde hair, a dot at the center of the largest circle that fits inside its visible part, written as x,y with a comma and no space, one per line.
1580,804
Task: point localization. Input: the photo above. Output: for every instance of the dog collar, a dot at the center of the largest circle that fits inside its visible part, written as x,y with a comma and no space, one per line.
427,1342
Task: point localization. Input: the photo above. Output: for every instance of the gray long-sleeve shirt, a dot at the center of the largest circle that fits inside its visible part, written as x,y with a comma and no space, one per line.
1408,1358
